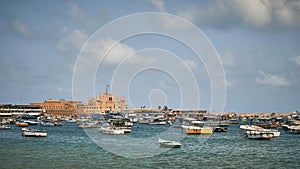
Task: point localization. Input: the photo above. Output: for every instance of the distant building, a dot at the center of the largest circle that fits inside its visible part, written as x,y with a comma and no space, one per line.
58,107
15,110
101,104
189,113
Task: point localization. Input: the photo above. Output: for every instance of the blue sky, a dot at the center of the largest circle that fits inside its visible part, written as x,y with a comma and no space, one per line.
257,43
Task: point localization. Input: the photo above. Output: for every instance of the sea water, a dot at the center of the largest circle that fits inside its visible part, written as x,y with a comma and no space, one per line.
71,147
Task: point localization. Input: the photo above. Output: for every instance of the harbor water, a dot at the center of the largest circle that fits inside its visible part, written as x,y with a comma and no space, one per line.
71,147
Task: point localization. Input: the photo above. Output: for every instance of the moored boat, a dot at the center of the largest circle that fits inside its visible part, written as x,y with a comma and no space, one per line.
31,122
294,129
276,133
34,133
21,124
220,129
196,127
252,134
4,127
111,130
168,144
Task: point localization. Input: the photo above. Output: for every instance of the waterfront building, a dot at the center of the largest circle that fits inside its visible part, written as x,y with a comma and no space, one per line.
7,110
103,103
58,107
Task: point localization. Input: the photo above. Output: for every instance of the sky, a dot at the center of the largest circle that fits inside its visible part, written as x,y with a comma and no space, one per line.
221,56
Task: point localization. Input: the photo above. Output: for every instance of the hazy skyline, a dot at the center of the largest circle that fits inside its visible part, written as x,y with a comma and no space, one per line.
257,42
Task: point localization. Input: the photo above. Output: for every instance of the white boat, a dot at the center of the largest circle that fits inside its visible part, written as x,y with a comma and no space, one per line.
276,133
34,133
4,127
252,134
133,118
294,129
111,130
168,144
47,124
31,122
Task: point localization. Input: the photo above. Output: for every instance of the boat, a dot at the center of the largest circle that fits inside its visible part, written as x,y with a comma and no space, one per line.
252,134
121,124
144,120
220,129
21,124
34,133
4,127
47,124
294,129
168,144
111,130
31,122
133,118
197,127
158,121
276,133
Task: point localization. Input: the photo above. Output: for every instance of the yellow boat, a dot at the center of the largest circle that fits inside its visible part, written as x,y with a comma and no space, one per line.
196,127
21,124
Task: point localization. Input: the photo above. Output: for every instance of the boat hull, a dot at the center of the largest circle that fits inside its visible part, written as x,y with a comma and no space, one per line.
220,129
198,130
111,131
29,133
261,135
246,128
168,144
21,124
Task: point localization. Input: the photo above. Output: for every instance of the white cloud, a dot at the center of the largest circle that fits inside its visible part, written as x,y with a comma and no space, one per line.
21,28
73,40
159,4
74,11
254,13
112,51
295,59
228,58
272,80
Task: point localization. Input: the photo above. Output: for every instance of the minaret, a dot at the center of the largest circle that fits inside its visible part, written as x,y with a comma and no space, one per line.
106,88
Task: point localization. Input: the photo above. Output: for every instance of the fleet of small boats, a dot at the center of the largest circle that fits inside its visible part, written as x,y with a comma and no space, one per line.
119,124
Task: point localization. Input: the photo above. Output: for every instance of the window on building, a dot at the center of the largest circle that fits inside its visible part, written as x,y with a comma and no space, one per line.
110,98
